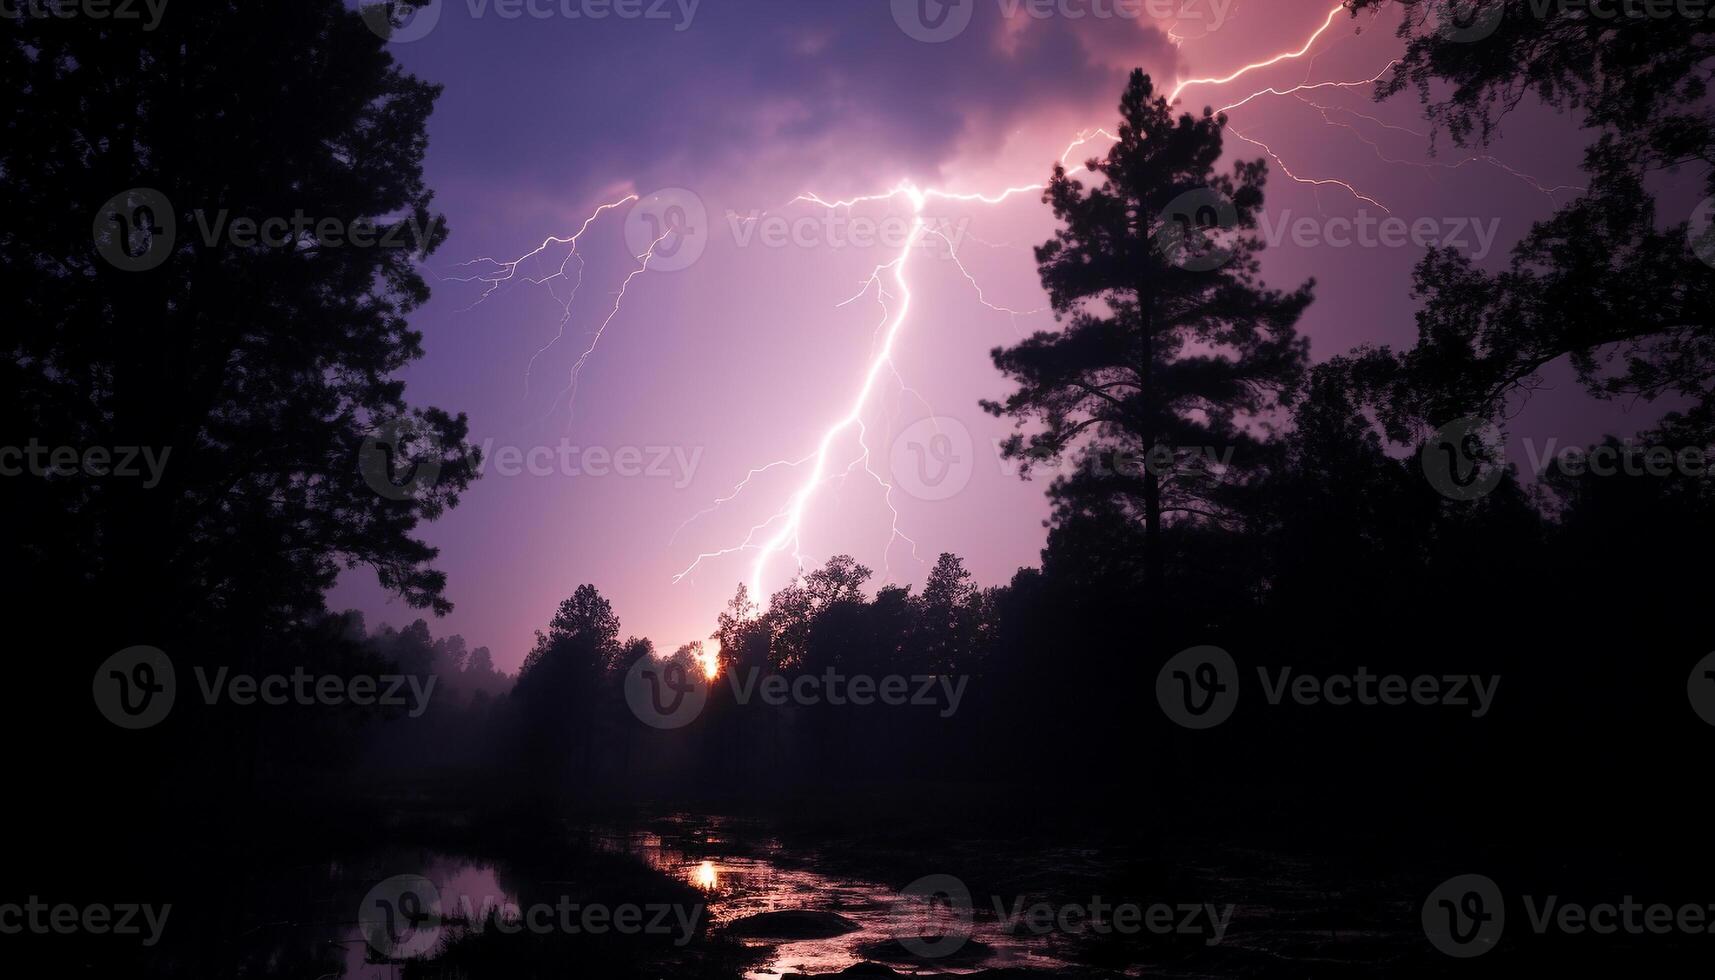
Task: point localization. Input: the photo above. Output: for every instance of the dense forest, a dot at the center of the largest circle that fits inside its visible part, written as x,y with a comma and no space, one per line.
1366,526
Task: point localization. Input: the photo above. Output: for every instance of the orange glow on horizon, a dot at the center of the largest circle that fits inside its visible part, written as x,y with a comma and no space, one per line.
711,658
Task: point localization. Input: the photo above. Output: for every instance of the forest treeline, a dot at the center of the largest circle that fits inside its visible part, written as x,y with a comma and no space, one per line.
1328,545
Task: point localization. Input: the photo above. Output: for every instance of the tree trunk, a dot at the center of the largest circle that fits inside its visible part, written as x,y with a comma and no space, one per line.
1153,565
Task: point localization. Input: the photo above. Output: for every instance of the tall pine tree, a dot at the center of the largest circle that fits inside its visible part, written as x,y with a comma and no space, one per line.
1170,342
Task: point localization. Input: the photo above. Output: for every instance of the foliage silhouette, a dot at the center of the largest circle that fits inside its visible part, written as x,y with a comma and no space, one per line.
1171,342
1319,549
1599,284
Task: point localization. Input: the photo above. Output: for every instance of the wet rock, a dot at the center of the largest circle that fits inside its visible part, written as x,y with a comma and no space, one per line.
893,951
792,924
878,970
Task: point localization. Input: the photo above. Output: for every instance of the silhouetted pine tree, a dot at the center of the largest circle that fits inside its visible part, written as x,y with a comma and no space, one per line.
1170,340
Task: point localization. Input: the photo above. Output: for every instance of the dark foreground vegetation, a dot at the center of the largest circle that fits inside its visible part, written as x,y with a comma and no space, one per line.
1328,544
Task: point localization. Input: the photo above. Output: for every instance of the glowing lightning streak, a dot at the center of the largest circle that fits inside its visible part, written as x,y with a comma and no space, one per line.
1085,137
953,253
737,489
1535,184
789,531
1258,65
1307,87
505,271
790,518
1327,22
787,523
571,390
1314,181
792,515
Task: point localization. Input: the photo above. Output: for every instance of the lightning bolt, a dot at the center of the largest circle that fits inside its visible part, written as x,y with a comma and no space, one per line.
1327,22
1534,183
783,529
1310,181
1306,87
570,392
788,522
497,273
781,532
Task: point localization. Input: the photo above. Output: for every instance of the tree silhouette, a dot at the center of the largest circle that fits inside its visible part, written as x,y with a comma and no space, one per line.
1639,80
1170,342
560,685
1628,303
794,610
262,366
950,616
260,363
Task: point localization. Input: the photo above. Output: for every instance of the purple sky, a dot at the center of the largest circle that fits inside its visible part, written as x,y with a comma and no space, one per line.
742,356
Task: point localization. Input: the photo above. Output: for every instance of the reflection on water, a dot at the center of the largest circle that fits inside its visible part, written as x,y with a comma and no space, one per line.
706,879
746,874
743,872
467,891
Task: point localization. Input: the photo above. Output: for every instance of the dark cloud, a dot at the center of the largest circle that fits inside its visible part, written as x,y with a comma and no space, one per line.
785,86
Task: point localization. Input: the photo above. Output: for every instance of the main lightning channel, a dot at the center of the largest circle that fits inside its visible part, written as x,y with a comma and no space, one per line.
781,531
787,523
